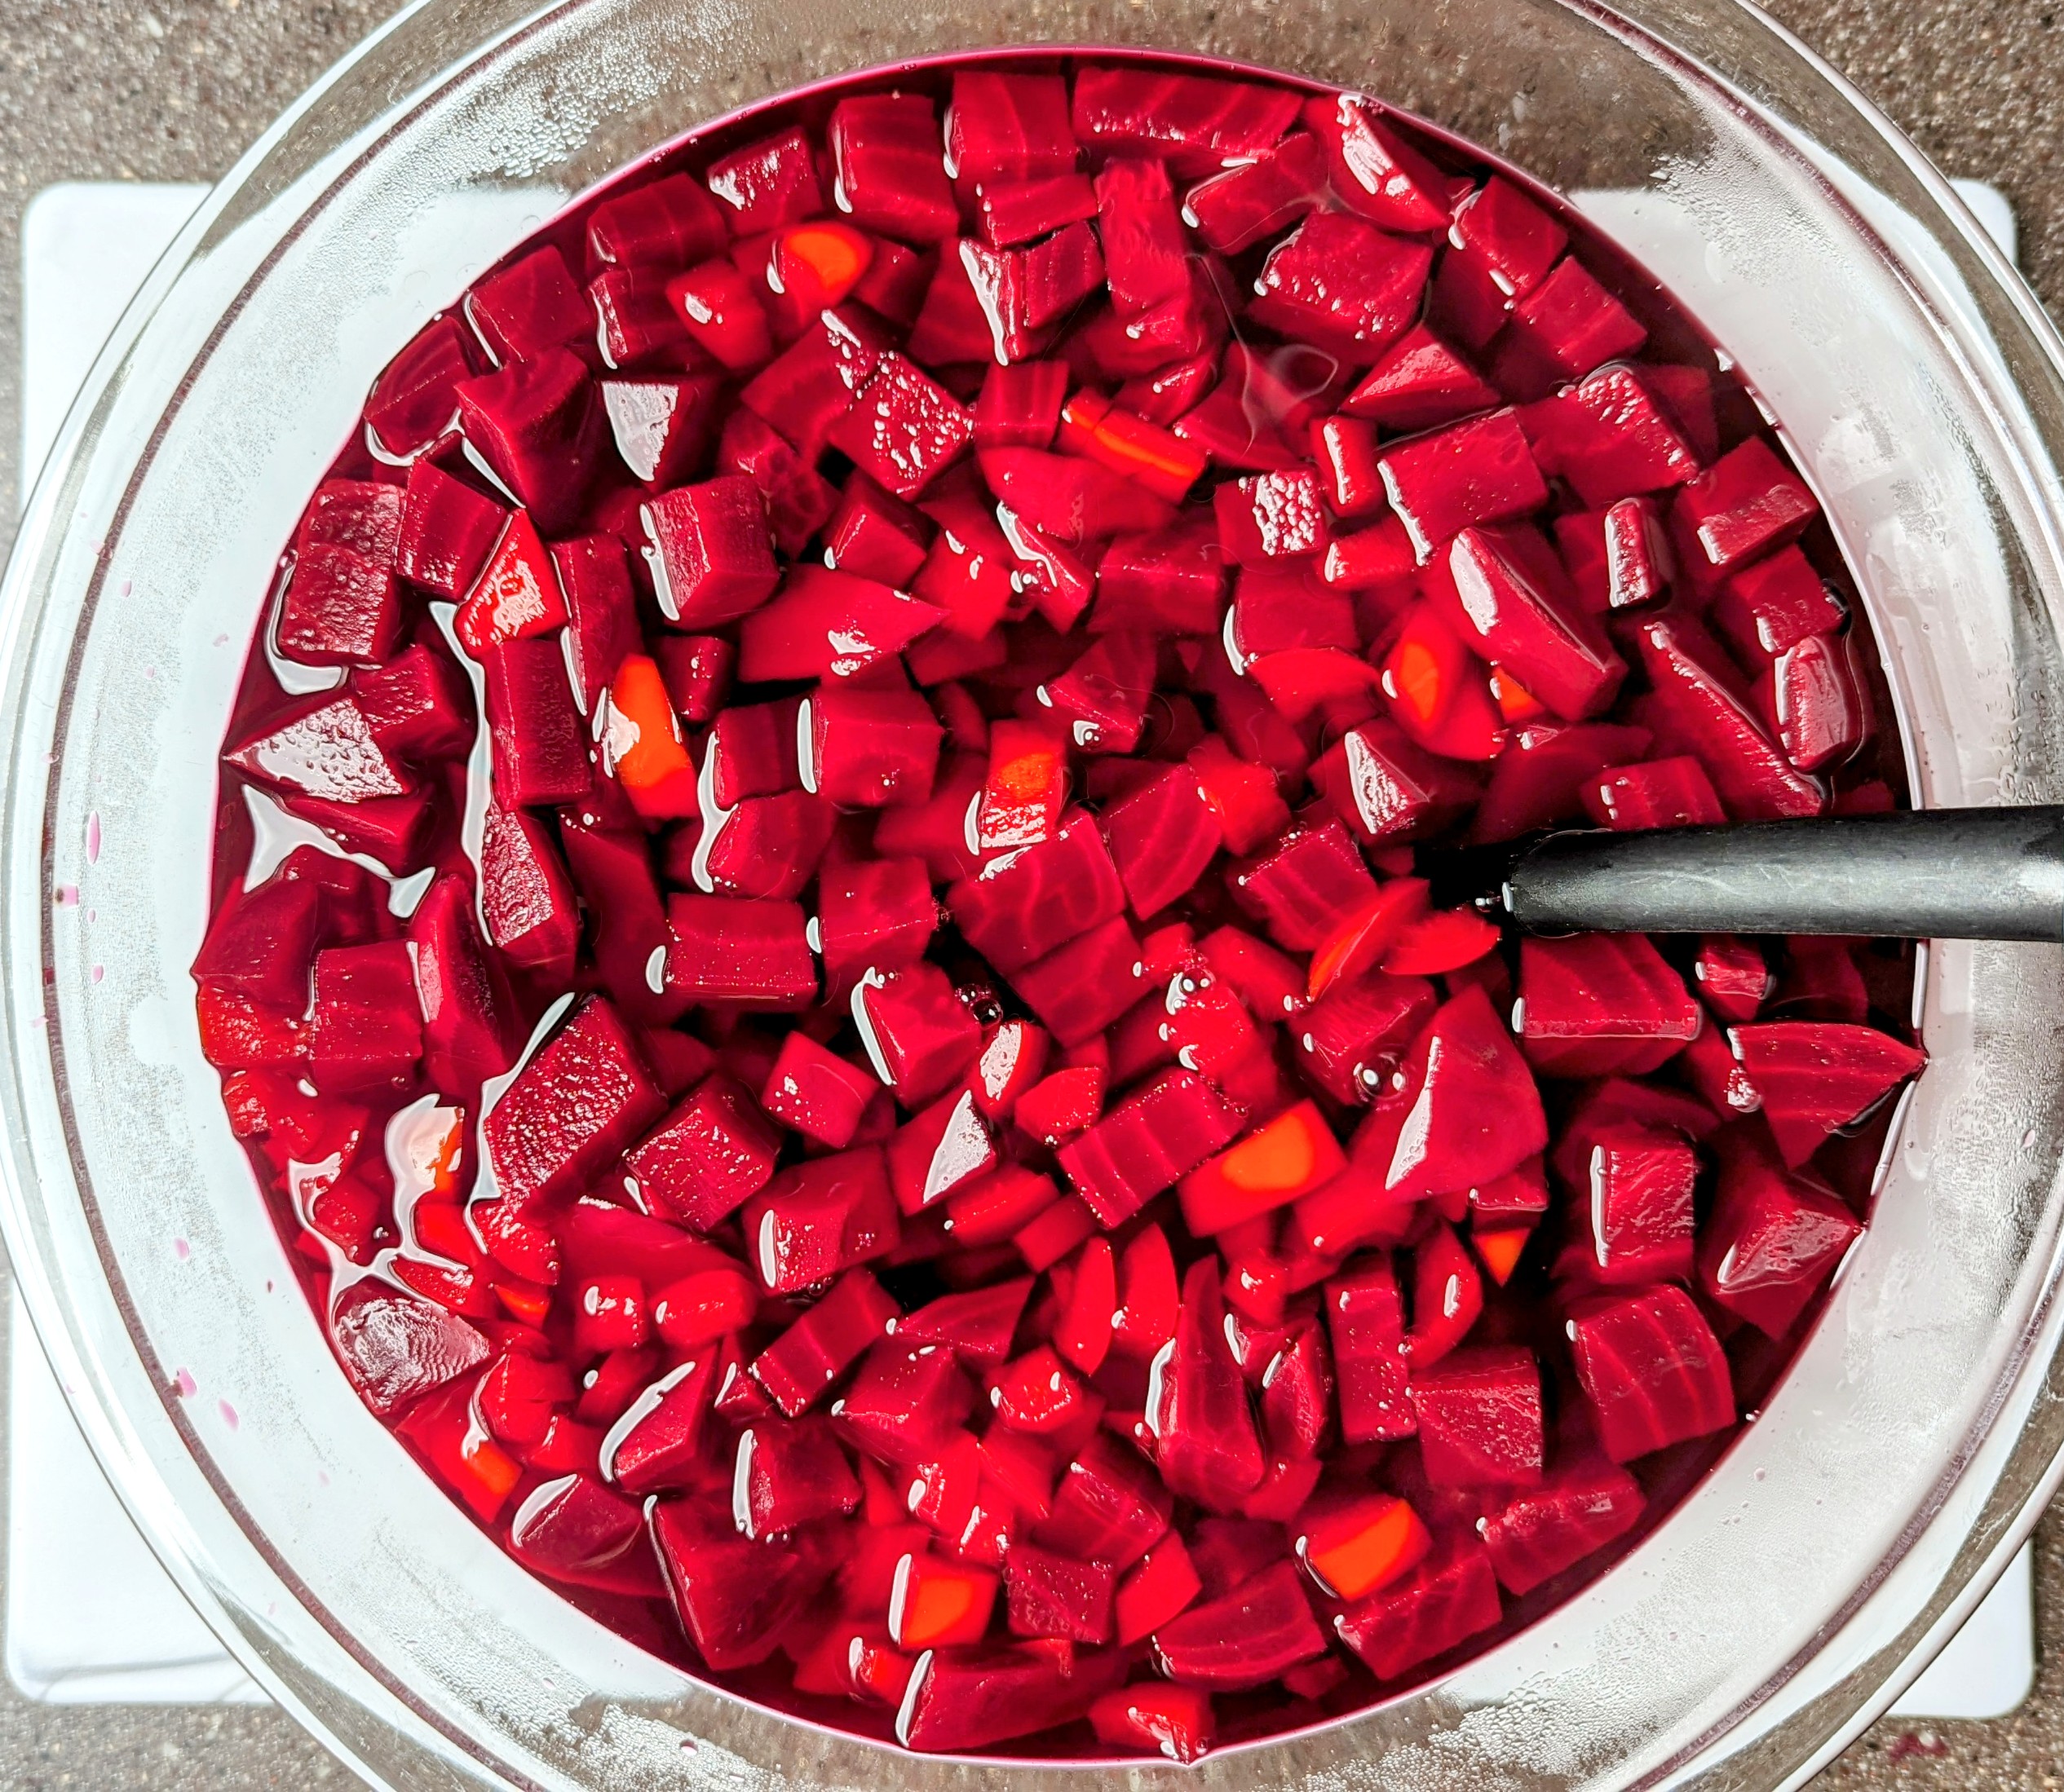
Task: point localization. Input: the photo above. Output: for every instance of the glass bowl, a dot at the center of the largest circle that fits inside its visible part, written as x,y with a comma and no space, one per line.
1889,1476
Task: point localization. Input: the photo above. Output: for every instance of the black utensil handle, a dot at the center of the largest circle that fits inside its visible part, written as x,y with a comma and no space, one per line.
1930,874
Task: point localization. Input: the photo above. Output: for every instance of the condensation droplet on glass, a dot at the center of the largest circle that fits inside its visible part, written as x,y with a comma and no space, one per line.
100,971
2028,1138
127,588
184,1384
181,1249
229,1414
93,837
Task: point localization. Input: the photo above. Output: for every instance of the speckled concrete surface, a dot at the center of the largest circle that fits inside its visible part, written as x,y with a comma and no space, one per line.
172,90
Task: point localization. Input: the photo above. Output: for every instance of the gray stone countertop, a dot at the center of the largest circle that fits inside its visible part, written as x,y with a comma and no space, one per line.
173,90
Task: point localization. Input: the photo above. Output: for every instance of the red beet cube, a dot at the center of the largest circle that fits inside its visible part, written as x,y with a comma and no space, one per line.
1475,473
1538,1533
706,1158
1814,1076
1051,1595
1639,1227
787,1476
1448,1598
1342,285
725,949
1080,988
670,220
340,609
938,1151
412,404
1246,1637
527,899
1162,837
709,554
538,425
734,1597
1197,122
581,1099
1597,1004
1480,1418
1238,208
1170,582
825,1340
1420,382
1772,1240
1027,903
1143,245
540,749
816,1091
767,183
368,1019
1768,608
919,1033
1747,503
1371,168
1271,516
903,428
448,530
870,748
1303,886
1652,1370
529,306
891,176
1672,793
1155,1137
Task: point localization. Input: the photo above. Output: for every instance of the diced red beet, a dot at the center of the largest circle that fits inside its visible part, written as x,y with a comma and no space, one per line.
888,170
1816,1076
1672,793
1610,438
828,624
396,1347
1197,122
518,596
902,428
1373,171
1639,1226
1246,1637
1811,698
961,1700
1142,239
1208,1449
1238,208
879,912
1480,1418
576,1530
1103,695
1161,837
718,308
1652,1370
1008,125
1420,382
799,501
1565,327
1747,503
527,900
573,1107
1475,1113
1174,1721
1026,903
734,1597
1385,788
709,555
788,1476
671,220
1144,1146
722,949
820,1217
530,305
767,183
1355,1033
1271,516
1538,1533
538,424
1080,988
711,1153
905,1403
339,608
1365,1319
1692,697
412,404
1020,405
1474,473
938,1151
1513,606
1343,284
1773,1237
1596,1005
869,749
1766,609
816,1091
919,1033
540,757
1304,885
325,750
1450,1597
367,1031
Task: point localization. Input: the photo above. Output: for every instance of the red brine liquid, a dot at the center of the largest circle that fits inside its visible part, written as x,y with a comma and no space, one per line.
899,1126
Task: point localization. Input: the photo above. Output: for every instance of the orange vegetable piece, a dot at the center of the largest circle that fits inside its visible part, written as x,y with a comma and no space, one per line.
1352,1548
1151,457
936,1604
1289,1156
1501,1250
1515,702
1021,799
642,743
817,265
1437,689
523,1300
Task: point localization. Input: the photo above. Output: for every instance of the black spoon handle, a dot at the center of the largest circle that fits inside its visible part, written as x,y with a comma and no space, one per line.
1927,874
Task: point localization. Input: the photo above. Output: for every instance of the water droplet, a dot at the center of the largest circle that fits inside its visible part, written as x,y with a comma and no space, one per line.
181,1249
93,838
100,971
184,1384
229,1414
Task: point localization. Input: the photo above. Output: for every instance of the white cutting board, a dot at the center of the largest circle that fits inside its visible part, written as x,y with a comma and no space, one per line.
91,1617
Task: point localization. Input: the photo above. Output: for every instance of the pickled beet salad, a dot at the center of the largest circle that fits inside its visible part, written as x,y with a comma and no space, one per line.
899,1126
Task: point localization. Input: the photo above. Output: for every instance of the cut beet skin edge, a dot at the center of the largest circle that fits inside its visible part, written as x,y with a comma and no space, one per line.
902,1131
